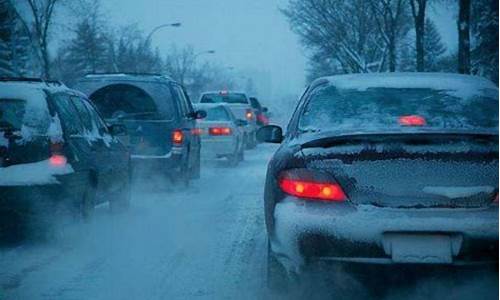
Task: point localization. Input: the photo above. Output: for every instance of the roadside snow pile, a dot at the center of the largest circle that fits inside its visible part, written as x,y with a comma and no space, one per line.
462,86
32,174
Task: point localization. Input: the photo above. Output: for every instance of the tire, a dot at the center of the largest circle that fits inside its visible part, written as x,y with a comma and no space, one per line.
87,203
196,169
277,277
253,141
121,201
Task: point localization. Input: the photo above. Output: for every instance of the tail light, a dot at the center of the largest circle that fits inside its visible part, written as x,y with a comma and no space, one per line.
308,184
263,119
412,120
177,137
219,131
196,131
57,158
249,114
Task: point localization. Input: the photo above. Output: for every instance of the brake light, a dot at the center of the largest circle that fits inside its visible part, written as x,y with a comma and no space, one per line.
219,131
312,190
412,120
249,115
197,131
57,158
263,119
177,137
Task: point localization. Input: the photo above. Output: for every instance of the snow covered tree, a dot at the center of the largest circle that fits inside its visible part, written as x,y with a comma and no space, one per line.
344,31
434,48
484,29
15,49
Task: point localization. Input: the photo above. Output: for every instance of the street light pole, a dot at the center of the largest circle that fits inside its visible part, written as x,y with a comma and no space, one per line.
148,39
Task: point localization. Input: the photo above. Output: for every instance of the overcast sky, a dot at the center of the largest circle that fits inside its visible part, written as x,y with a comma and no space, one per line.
246,34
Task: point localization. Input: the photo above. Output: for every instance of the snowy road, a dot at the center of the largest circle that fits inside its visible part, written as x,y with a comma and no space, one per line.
206,242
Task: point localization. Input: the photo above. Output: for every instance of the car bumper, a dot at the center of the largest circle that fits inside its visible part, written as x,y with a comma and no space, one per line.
307,231
217,147
145,164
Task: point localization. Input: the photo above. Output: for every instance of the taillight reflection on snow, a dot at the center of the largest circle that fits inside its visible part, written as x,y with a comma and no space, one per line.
57,160
312,190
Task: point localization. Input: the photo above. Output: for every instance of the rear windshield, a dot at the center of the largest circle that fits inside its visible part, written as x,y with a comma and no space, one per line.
12,113
255,103
224,98
217,114
16,114
122,101
375,109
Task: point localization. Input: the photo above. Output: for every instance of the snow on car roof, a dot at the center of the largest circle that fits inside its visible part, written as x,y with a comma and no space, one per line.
458,85
126,76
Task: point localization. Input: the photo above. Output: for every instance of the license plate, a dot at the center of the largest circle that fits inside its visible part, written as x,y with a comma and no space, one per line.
419,248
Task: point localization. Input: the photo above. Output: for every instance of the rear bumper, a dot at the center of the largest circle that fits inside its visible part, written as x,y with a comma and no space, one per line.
144,164
217,147
309,231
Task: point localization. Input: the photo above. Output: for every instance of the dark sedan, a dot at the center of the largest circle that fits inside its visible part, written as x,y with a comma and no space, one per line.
385,169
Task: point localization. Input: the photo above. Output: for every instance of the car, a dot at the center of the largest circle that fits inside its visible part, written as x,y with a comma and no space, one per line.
239,104
394,168
261,112
221,133
159,118
56,155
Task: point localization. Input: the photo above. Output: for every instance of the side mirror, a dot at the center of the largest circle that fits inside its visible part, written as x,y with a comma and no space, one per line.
265,109
241,123
270,134
199,114
117,129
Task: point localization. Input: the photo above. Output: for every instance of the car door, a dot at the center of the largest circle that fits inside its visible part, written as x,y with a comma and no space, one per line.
116,158
187,122
80,152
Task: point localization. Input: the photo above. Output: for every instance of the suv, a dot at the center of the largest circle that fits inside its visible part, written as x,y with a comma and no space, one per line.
239,104
159,117
56,152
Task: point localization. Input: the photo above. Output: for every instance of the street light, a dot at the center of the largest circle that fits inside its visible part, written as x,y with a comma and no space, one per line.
148,39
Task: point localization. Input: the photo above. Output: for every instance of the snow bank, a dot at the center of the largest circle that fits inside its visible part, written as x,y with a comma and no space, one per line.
37,173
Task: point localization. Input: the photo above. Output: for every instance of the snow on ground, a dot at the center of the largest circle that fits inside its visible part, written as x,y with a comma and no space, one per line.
207,241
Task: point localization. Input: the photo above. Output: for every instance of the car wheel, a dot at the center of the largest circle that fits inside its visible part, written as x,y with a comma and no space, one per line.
87,203
253,141
278,279
121,202
196,169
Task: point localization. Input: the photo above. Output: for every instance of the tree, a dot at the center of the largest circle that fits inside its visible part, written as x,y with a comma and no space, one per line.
392,22
484,29
87,52
337,30
463,24
15,46
37,23
434,48
418,13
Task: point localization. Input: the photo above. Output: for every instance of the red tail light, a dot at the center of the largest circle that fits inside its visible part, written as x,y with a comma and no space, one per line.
177,137
263,119
412,120
249,115
197,131
311,185
220,131
57,158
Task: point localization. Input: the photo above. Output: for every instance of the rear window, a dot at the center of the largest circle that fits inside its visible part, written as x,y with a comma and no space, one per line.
376,109
16,114
122,101
224,98
217,114
255,103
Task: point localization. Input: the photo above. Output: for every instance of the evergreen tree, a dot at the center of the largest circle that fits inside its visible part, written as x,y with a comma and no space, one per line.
485,39
434,47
